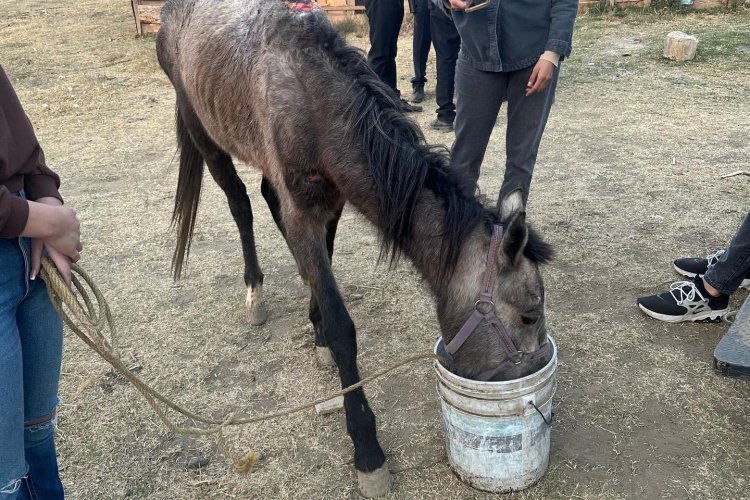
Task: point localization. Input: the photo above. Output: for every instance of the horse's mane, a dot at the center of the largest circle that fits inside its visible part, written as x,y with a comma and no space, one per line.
400,161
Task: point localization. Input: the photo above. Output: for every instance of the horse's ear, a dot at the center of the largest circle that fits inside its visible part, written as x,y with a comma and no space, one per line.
516,236
510,205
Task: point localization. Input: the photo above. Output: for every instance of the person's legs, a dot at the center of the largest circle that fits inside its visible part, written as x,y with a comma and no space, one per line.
384,18
13,468
479,95
447,44
527,117
41,333
733,266
421,48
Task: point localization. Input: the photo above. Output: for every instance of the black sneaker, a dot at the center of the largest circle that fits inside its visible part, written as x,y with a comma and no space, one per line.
442,125
409,108
417,93
697,266
685,301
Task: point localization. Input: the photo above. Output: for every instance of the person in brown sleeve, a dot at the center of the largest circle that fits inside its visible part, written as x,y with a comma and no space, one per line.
32,220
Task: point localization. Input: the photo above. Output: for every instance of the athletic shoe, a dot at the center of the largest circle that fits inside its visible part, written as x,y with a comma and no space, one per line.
685,301
697,266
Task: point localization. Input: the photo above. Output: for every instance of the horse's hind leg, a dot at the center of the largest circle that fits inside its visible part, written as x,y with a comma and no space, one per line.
311,247
225,174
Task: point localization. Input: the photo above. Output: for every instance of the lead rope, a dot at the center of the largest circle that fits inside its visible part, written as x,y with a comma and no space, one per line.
90,320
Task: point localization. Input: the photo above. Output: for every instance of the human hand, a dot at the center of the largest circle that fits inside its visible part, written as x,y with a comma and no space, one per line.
458,4
62,240
61,261
540,77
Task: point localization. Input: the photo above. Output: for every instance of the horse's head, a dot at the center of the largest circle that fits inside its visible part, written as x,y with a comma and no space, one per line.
492,319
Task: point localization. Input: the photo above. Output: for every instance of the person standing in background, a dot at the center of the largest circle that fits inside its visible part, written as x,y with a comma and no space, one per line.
447,44
510,51
384,18
421,47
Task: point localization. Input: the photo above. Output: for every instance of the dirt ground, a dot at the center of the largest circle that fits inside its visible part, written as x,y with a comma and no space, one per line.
628,178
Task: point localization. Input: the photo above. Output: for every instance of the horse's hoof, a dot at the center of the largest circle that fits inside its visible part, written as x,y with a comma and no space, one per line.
376,483
257,315
324,356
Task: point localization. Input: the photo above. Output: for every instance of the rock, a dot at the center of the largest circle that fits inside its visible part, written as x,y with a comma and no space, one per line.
330,406
680,46
197,462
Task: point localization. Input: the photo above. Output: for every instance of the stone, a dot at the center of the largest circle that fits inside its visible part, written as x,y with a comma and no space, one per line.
197,462
330,406
680,46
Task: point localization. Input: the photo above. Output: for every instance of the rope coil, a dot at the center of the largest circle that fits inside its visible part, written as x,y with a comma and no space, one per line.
91,319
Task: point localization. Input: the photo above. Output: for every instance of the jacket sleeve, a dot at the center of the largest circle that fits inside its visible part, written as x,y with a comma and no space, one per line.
14,213
562,19
41,181
22,163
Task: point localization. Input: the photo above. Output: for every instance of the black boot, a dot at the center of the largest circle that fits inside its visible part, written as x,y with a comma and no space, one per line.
417,93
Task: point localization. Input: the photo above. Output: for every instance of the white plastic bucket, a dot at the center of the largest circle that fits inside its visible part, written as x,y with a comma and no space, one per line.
496,440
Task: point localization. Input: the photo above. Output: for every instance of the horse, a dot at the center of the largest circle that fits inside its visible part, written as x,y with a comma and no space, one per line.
273,84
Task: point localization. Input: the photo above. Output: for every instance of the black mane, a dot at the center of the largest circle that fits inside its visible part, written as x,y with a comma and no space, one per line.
401,163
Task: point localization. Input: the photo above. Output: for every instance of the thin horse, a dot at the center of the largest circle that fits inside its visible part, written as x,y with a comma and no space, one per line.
272,83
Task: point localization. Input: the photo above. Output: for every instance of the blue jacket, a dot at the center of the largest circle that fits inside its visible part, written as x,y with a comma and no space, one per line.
509,35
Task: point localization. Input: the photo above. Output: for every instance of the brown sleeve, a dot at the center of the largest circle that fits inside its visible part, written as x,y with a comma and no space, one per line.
14,213
20,153
41,181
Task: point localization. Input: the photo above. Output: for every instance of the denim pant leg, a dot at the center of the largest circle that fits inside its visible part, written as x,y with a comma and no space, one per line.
447,44
36,329
527,118
41,333
420,42
479,95
734,264
13,466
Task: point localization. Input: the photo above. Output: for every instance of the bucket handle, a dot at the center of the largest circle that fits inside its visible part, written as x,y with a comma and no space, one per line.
551,416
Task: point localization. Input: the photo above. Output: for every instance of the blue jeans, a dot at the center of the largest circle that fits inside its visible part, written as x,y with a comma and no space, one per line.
734,264
31,334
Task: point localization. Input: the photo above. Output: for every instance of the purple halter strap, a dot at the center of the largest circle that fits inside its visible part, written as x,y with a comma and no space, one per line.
515,357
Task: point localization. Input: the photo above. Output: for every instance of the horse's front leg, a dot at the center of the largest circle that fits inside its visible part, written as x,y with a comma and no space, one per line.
310,248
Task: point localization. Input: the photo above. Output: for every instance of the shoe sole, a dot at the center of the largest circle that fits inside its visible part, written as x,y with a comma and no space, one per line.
706,317
745,283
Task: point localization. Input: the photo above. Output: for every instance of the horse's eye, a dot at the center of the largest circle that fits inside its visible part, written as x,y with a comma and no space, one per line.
527,320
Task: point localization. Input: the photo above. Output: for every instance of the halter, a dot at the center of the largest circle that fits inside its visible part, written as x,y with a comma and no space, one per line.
515,357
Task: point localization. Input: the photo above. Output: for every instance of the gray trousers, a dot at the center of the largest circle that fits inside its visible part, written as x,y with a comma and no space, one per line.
734,264
479,95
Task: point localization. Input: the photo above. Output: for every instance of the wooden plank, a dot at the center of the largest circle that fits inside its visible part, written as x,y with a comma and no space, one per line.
345,8
149,14
135,16
150,28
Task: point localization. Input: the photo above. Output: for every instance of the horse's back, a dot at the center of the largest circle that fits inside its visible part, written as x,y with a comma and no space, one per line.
240,65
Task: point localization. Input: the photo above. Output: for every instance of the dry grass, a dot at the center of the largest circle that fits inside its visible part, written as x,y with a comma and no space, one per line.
627,179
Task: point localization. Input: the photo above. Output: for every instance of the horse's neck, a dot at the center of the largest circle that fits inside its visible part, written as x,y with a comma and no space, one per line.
425,246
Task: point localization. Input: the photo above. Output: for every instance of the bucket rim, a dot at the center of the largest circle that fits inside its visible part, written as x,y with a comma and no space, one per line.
452,377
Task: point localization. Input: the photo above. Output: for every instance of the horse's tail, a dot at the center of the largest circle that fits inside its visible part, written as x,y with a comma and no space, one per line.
187,196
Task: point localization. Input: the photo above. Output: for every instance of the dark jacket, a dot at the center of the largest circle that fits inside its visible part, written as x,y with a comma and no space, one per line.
22,164
509,35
